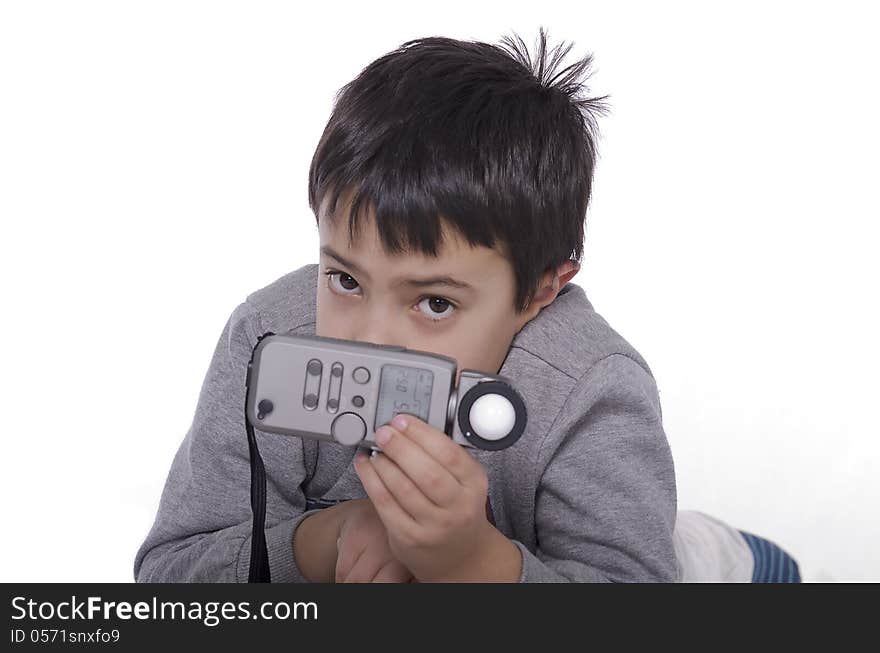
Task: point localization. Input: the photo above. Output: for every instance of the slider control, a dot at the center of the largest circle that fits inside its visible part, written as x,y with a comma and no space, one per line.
312,385
335,387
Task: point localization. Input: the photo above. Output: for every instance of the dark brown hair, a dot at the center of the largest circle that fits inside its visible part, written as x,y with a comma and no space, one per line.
477,136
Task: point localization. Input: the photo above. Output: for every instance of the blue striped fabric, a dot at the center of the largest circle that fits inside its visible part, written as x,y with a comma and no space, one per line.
772,564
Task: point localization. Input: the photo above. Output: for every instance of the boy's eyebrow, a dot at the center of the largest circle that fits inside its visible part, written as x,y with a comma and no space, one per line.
418,283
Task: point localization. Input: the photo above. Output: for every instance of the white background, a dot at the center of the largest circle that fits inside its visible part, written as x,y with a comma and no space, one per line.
153,171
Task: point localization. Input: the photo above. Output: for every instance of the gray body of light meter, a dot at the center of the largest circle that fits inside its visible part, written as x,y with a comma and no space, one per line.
344,390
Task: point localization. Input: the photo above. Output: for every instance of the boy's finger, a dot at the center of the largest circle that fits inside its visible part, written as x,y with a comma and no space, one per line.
390,512
392,572
438,445
345,560
419,502
363,570
437,483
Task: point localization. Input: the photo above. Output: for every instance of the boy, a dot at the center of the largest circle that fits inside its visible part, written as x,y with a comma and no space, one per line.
450,188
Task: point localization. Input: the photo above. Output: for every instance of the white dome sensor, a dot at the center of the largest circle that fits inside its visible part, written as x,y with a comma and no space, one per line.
492,416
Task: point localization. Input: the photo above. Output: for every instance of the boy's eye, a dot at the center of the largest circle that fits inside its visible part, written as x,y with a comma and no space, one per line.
346,280
437,308
434,308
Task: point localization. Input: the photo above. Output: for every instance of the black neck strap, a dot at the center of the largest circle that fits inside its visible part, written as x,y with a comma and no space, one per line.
259,568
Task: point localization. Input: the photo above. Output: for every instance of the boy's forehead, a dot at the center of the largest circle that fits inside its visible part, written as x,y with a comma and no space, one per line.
455,255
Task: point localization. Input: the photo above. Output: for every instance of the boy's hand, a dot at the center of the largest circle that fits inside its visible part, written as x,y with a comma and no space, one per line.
363,552
431,495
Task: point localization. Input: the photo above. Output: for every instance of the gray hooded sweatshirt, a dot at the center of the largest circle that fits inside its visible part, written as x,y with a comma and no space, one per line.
587,494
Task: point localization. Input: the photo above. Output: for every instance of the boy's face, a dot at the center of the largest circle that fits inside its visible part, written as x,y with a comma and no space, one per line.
366,296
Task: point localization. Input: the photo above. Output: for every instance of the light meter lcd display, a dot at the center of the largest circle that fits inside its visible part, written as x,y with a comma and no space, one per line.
403,389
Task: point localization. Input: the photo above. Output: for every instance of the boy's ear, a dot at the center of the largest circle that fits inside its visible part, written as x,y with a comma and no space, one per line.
551,283
566,271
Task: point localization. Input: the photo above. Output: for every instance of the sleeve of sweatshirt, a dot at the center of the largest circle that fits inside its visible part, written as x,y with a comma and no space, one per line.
605,504
202,531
